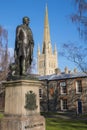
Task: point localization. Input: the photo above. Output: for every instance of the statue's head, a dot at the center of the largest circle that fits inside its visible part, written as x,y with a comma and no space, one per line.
26,20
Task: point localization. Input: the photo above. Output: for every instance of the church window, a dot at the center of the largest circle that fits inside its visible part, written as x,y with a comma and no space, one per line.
40,93
42,64
49,64
54,65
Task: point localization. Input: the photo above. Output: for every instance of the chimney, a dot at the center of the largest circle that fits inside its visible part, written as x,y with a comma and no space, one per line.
66,70
75,70
57,71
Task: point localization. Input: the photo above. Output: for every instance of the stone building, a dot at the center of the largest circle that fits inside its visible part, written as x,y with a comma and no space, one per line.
47,59
64,91
2,97
61,91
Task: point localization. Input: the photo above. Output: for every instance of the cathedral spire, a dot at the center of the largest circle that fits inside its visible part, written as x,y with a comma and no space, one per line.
55,49
47,60
38,50
46,40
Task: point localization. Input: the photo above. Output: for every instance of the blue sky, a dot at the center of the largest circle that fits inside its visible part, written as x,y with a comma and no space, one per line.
61,28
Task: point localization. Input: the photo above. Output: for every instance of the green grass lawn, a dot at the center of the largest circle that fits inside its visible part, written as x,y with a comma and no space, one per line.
1,115
65,124
58,123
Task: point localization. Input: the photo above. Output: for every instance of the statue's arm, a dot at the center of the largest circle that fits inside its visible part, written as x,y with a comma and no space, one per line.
31,37
18,36
17,39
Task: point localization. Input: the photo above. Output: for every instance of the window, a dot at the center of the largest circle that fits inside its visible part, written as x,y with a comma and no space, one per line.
42,64
64,104
49,64
78,86
40,93
63,87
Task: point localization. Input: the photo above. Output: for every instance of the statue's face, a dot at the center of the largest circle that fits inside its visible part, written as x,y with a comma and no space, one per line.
26,21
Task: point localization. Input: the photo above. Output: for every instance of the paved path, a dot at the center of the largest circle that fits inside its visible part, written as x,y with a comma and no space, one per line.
67,116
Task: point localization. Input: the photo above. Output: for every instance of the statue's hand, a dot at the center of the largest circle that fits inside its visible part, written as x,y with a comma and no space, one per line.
19,44
32,43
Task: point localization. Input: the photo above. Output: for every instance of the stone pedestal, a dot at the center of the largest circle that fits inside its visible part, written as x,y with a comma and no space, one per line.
36,122
17,115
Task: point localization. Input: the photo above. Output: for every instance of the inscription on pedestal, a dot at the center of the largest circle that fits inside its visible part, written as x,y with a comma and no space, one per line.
32,126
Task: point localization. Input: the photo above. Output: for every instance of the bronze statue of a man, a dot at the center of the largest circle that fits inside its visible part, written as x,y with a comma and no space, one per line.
24,45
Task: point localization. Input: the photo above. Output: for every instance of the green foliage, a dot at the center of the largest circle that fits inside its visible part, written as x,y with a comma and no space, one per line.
1,115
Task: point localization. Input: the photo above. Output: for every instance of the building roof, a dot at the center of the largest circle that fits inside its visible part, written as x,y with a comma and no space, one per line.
62,76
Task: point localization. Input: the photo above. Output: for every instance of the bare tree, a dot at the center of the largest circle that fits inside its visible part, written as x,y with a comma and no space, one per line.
4,63
4,55
75,53
80,17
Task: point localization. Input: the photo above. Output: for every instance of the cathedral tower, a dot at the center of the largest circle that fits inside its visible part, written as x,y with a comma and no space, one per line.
47,59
